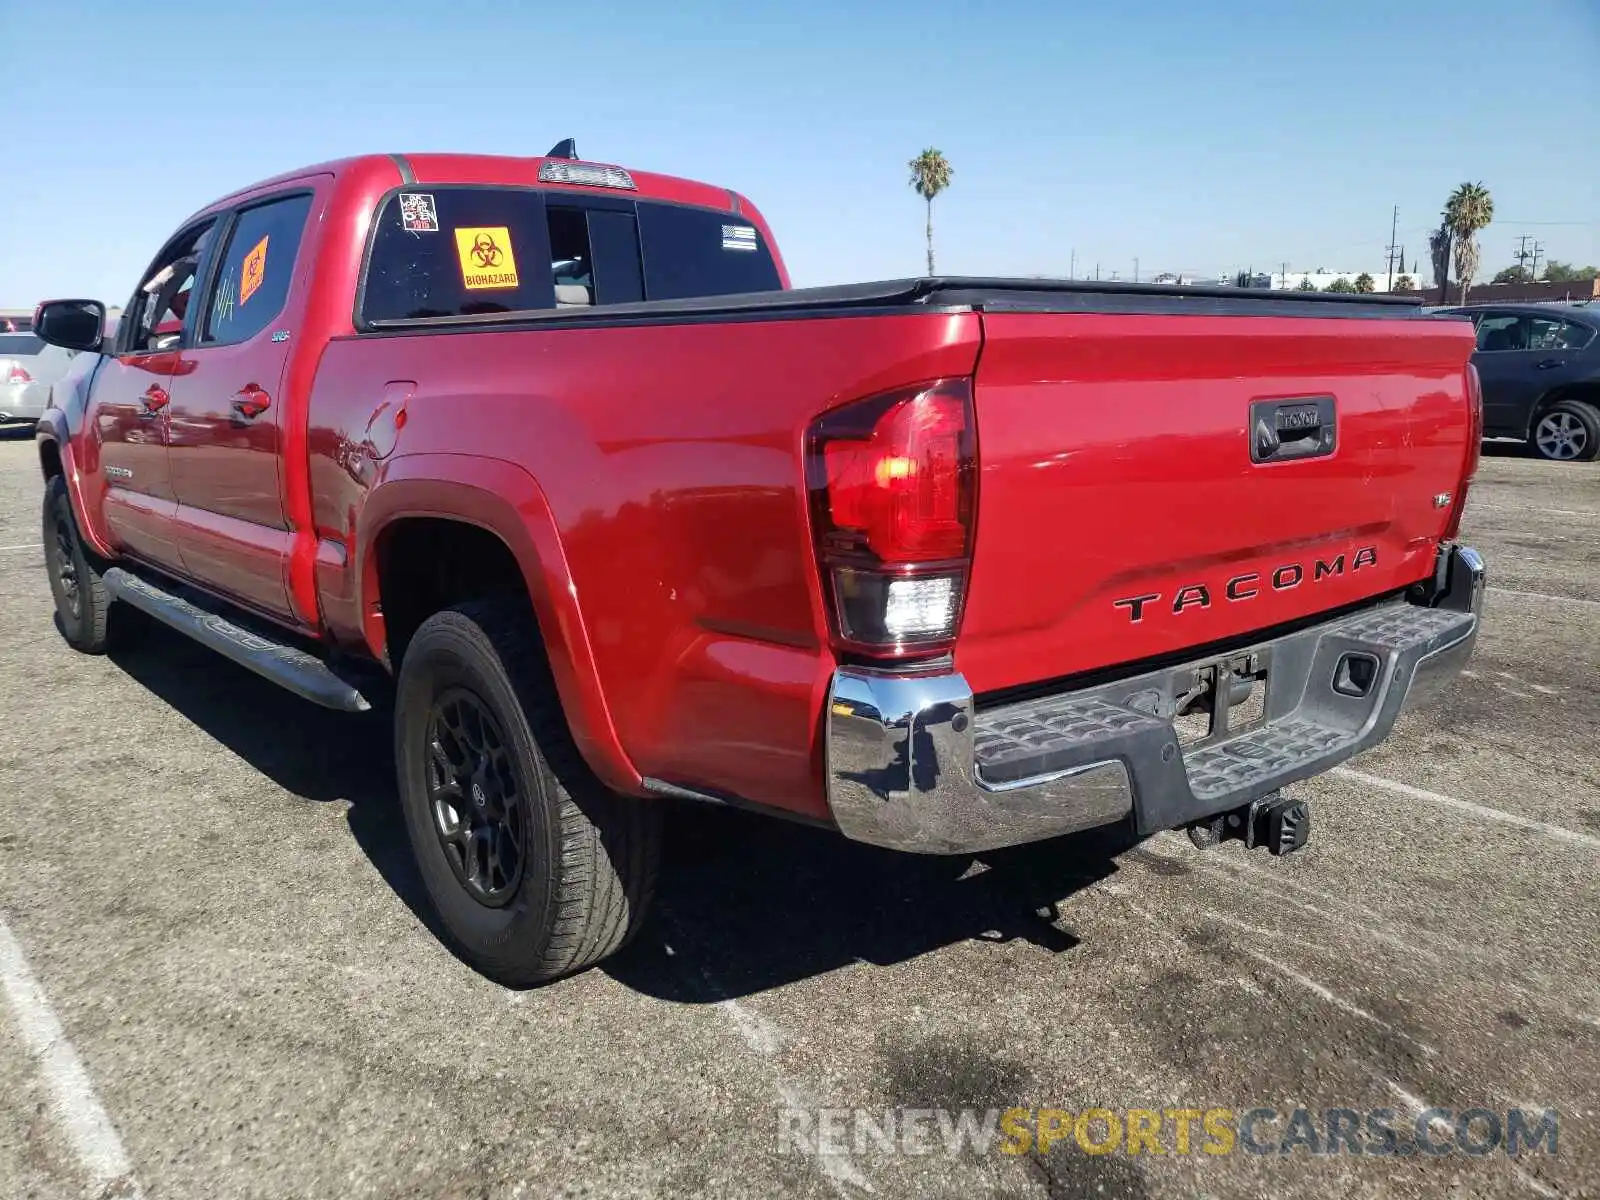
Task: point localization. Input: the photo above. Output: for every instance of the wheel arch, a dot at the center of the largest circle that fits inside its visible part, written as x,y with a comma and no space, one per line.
1587,390
423,501
54,447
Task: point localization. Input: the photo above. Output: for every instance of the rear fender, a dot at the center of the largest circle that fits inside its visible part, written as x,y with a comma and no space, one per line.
52,431
505,500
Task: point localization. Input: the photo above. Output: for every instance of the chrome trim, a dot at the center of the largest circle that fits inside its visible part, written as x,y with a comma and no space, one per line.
1472,562
899,760
1035,780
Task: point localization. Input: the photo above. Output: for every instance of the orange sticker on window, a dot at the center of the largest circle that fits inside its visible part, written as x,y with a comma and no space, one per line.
486,257
253,271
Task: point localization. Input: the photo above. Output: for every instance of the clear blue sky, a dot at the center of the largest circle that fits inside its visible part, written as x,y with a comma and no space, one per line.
1196,135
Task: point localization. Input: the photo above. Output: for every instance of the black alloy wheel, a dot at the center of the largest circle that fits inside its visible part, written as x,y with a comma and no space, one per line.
479,801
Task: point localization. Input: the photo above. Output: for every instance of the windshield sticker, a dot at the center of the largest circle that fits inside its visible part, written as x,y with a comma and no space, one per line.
486,258
253,271
738,237
417,213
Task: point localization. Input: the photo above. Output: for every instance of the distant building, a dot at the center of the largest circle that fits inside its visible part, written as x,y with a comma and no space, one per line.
1320,278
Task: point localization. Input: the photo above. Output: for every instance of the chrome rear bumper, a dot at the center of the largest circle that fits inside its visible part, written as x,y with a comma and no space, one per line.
912,765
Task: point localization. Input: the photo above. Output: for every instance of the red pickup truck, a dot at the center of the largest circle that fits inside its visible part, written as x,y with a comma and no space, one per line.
945,564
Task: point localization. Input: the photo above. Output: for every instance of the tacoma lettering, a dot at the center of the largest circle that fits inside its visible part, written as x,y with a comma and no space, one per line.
1247,585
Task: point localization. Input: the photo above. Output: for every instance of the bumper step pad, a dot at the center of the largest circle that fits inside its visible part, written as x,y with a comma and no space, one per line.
1309,725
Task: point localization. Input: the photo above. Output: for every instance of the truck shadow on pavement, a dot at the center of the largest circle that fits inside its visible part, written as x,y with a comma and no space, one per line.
746,902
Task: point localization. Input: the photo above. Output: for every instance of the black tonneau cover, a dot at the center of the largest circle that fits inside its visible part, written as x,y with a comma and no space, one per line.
954,294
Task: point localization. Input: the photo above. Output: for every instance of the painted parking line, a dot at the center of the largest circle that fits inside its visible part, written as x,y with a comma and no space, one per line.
26,546
82,1118
1545,596
1525,508
1476,810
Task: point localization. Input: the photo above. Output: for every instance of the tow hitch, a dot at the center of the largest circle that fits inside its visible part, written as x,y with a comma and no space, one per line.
1274,821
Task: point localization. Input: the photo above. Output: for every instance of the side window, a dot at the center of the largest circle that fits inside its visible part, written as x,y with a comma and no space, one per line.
1552,333
257,267
698,252
457,252
155,316
1502,332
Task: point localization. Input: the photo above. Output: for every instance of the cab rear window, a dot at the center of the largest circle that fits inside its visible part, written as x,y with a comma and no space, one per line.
471,251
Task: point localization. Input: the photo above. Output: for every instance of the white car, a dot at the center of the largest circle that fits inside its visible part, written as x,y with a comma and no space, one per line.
27,369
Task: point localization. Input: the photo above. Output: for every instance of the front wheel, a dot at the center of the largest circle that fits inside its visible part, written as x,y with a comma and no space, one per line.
83,605
535,869
1568,431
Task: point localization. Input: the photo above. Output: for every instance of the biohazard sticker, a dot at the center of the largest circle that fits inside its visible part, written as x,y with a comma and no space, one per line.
253,271
417,213
486,257
739,237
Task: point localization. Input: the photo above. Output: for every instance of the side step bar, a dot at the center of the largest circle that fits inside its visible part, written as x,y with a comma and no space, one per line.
287,666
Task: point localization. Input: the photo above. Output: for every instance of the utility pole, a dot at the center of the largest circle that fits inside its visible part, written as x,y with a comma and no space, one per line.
1097,272
1136,268
1394,223
1072,271
1523,254
1538,249
1284,274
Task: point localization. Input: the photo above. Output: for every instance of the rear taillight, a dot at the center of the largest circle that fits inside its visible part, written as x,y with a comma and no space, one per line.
893,482
18,375
1469,467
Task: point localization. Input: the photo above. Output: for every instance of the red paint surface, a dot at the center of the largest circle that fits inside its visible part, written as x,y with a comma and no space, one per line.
649,482
1114,461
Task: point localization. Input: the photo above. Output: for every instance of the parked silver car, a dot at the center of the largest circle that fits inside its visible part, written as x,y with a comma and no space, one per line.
27,369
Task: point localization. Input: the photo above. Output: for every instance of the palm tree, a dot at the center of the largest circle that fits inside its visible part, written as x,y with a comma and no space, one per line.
1469,210
1405,284
1365,282
930,175
1439,249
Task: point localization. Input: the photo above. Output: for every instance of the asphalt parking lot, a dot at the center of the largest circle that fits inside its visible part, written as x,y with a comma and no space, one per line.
204,885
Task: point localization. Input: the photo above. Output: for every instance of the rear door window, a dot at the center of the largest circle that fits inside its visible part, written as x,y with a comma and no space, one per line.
699,252
16,345
457,252
257,269
1552,333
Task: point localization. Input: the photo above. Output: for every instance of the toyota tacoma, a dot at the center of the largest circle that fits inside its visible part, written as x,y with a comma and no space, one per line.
550,452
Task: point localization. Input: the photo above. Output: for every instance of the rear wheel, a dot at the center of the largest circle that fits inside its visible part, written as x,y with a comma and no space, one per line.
535,869
83,605
1568,431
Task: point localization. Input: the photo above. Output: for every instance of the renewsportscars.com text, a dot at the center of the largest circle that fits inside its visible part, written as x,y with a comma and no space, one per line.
1213,1131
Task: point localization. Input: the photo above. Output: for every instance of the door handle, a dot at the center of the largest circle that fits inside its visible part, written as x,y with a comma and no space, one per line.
250,402
1547,364
155,399
1282,430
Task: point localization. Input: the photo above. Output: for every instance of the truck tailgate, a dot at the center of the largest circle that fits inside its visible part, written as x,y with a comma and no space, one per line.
1122,513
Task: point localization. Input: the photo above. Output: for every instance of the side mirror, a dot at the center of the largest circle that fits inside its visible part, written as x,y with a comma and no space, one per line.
71,324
